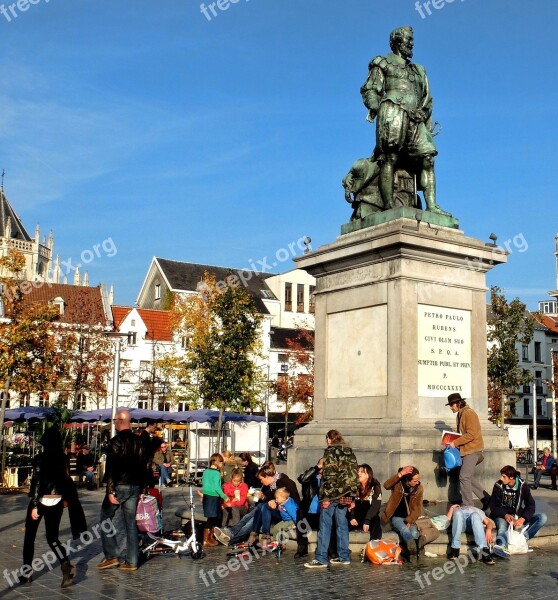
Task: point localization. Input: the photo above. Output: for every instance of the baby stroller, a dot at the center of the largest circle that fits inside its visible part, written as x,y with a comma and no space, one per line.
173,542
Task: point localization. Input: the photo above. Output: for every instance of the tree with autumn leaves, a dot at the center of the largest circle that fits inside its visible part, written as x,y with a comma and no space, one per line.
222,325
297,386
509,323
39,354
29,356
88,357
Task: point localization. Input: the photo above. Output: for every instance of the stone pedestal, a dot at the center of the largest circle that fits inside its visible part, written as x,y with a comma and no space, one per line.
400,324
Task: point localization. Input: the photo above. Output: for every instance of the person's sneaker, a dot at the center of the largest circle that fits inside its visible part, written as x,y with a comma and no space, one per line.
128,567
339,561
315,564
453,553
486,557
221,536
501,551
108,563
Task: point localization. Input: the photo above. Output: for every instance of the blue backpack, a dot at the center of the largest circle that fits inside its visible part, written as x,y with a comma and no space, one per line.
452,458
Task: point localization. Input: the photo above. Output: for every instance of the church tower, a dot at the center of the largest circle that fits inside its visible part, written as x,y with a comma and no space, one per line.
38,255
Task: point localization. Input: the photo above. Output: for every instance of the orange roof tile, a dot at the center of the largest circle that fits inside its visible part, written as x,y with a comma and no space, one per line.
157,322
550,322
119,313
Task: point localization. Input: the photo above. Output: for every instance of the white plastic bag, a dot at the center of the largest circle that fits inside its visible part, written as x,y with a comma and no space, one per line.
517,542
441,522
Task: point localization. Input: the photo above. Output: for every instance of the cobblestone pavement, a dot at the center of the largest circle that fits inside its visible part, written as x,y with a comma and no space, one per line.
167,577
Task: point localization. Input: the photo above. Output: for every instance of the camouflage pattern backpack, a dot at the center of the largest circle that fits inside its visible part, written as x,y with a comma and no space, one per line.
340,474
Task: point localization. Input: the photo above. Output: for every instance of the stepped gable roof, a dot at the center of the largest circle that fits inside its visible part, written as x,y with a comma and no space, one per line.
280,335
82,305
6,211
157,322
183,276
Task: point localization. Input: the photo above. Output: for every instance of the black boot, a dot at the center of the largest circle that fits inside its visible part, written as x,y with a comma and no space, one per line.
405,554
420,543
68,572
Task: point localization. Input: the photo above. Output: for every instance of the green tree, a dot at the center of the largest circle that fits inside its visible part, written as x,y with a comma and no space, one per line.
222,325
29,356
509,323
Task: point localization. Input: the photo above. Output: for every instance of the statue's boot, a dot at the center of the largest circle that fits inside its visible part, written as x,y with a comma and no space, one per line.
436,209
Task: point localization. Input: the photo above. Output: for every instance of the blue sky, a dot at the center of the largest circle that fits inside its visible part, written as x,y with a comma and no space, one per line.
222,141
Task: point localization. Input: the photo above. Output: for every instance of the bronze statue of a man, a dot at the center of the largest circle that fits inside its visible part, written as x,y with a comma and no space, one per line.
397,93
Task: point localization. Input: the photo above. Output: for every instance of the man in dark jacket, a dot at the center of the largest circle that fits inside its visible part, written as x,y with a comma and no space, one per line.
512,502
337,490
125,476
85,466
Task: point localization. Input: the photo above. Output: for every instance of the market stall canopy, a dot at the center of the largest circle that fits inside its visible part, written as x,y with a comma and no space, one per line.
28,413
185,416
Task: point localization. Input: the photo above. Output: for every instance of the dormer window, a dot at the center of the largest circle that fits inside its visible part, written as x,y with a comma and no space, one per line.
59,302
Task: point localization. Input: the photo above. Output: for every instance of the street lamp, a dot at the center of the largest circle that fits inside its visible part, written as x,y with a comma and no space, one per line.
535,406
535,454
553,401
117,336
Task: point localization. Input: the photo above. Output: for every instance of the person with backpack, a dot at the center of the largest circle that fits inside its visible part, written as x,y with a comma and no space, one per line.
337,490
470,445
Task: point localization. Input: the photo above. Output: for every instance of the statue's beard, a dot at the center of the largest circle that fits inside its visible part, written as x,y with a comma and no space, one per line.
406,52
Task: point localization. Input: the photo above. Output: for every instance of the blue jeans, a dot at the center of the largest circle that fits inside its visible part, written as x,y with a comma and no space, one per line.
324,533
89,475
165,474
242,529
127,496
535,523
407,533
269,515
470,523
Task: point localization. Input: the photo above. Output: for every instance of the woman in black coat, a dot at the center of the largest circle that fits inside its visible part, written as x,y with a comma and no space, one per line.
364,512
49,491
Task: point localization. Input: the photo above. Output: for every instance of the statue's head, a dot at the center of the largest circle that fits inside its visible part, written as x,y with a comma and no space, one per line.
401,41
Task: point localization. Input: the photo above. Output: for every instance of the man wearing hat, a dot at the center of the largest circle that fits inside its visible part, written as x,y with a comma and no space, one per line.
470,446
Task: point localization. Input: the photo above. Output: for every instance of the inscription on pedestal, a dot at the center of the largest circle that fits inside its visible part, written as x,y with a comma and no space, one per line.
444,351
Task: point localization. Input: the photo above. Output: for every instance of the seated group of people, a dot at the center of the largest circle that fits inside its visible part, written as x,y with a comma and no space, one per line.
281,507
225,487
